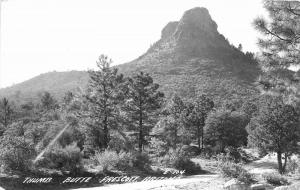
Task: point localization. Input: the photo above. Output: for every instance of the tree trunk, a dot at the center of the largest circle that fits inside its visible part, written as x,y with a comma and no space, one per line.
175,138
141,137
202,138
279,160
105,130
285,161
198,137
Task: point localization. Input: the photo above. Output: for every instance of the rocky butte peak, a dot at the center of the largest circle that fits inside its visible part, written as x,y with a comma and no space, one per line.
195,34
169,29
196,21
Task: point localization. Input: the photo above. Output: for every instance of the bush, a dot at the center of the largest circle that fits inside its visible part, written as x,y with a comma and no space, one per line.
233,154
237,155
179,159
125,161
293,166
184,163
64,159
118,143
16,154
141,161
275,179
191,150
232,170
109,160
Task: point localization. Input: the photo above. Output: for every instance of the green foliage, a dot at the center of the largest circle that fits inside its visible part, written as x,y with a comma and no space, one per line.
232,170
68,158
275,179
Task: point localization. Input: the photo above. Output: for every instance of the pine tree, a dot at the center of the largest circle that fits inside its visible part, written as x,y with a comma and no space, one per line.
275,128
142,104
197,115
104,97
6,113
48,102
171,129
280,48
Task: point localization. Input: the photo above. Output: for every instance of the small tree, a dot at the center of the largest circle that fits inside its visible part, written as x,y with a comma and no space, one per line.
275,128
224,128
6,113
240,47
197,115
48,102
170,131
142,104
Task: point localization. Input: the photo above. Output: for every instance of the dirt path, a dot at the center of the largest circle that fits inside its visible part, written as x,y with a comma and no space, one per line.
267,164
196,182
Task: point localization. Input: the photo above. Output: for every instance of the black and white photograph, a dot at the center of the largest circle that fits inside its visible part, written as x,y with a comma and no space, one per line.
149,95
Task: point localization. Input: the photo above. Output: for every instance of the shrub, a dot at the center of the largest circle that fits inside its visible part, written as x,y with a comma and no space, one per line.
16,154
275,179
233,154
184,163
293,166
64,159
179,159
107,159
237,155
124,161
158,147
190,150
118,143
232,170
141,161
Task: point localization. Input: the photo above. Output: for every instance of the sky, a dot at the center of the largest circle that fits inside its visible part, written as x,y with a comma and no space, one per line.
39,36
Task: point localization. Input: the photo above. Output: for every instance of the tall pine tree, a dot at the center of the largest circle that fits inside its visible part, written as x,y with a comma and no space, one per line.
6,114
104,97
197,115
143,102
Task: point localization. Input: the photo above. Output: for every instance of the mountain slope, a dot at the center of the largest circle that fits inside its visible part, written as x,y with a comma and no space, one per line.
191,58
57,83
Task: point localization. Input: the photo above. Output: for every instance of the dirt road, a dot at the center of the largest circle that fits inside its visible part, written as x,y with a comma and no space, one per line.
196,182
